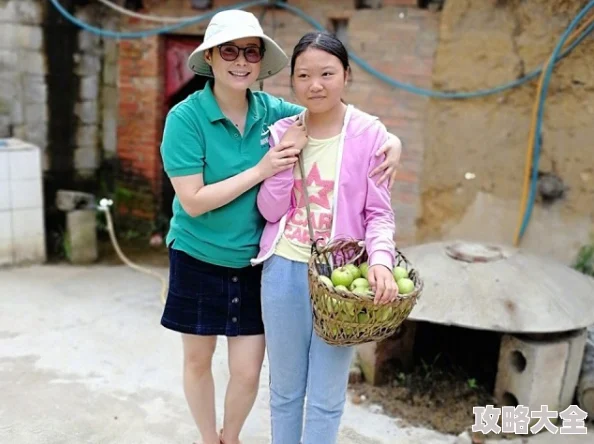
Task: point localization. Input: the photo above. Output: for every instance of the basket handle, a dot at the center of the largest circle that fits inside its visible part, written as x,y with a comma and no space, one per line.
306,198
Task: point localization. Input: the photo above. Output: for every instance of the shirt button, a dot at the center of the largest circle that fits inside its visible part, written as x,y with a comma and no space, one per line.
235,300
234,279
234,319
236,135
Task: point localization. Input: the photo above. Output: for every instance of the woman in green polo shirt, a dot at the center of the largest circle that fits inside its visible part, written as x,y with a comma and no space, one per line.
215,152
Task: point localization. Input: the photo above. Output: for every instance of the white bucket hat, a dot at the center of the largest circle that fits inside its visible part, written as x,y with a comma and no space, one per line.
236,24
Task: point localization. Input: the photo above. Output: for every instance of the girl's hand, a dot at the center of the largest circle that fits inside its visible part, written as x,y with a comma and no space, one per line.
389,167
382,283
296,135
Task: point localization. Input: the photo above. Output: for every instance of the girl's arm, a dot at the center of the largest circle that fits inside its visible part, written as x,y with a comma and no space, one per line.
379,215
274,196
379,234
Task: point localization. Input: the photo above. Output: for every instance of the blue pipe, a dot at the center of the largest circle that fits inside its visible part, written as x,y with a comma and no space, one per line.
542,97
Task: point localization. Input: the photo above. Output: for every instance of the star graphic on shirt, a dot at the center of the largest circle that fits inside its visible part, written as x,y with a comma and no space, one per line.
317,187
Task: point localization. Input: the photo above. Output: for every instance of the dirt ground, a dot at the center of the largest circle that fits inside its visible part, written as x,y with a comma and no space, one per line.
426,397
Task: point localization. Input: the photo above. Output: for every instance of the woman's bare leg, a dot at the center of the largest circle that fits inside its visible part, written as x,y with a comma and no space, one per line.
246,354
199,384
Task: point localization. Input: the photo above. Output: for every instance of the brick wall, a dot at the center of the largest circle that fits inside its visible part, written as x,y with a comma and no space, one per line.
140,105
397,40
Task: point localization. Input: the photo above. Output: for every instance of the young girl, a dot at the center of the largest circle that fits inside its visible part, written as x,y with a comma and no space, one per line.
215,152
338,158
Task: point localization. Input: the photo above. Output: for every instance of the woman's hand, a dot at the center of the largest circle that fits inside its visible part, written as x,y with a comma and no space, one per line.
382,283
279,158
389,167
285,154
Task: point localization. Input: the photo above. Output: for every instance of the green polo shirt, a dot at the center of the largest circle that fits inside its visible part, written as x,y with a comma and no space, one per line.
198,138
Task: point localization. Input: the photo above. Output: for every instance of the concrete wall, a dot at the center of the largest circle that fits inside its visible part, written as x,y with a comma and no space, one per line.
23,92
484,44
28,64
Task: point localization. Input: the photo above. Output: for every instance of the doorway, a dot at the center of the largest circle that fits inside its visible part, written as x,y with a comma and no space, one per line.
180,82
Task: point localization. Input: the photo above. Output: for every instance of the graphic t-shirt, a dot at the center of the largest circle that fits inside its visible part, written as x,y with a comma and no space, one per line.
319,159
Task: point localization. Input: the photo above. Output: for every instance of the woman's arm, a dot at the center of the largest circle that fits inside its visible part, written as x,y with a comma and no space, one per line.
389,167
183,159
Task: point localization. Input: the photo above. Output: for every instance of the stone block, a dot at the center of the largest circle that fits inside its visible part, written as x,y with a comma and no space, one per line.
29,37
89,87
29,12
8,85
4,106
8,40
88,42
17,112
110,74
81,236
87,111
376,357
36,133
35,89
5,126
537,372
87,64
29,236
31,62
8,60
86,136
19,132
109,119
8,12
36,113
86,158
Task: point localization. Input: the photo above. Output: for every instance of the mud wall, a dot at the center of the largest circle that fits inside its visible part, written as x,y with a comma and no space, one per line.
484,44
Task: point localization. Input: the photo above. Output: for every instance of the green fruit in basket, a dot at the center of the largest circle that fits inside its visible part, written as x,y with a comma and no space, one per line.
342,276
361,291
383,314
326,281
364,267
362,318
347,312
340,288
399,273
405,286
354,270
361,283
349,308
330,305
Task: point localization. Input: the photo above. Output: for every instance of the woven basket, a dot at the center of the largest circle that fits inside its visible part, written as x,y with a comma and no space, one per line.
343,318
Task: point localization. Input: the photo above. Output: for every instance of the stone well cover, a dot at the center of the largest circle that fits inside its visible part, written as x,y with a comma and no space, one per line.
500,288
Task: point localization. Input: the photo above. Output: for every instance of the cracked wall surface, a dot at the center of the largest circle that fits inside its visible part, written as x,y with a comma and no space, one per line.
482,45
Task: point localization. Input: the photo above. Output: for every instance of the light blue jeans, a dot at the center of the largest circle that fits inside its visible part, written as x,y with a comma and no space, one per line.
300,362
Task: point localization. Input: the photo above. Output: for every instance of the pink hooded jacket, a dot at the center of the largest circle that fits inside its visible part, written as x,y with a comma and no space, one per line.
361,209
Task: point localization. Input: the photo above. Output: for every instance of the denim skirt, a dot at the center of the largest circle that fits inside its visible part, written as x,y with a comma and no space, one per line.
207,299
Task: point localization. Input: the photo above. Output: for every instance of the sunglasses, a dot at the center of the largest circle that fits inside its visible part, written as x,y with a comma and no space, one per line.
229,52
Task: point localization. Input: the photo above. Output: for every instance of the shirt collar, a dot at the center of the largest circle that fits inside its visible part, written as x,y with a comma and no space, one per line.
212,109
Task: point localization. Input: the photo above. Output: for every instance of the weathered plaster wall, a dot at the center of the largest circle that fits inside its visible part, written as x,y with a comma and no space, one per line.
484,44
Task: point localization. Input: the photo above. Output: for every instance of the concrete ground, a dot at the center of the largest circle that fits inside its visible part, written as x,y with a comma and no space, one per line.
84,360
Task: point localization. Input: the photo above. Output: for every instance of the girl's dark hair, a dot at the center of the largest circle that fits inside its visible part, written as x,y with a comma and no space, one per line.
324,41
